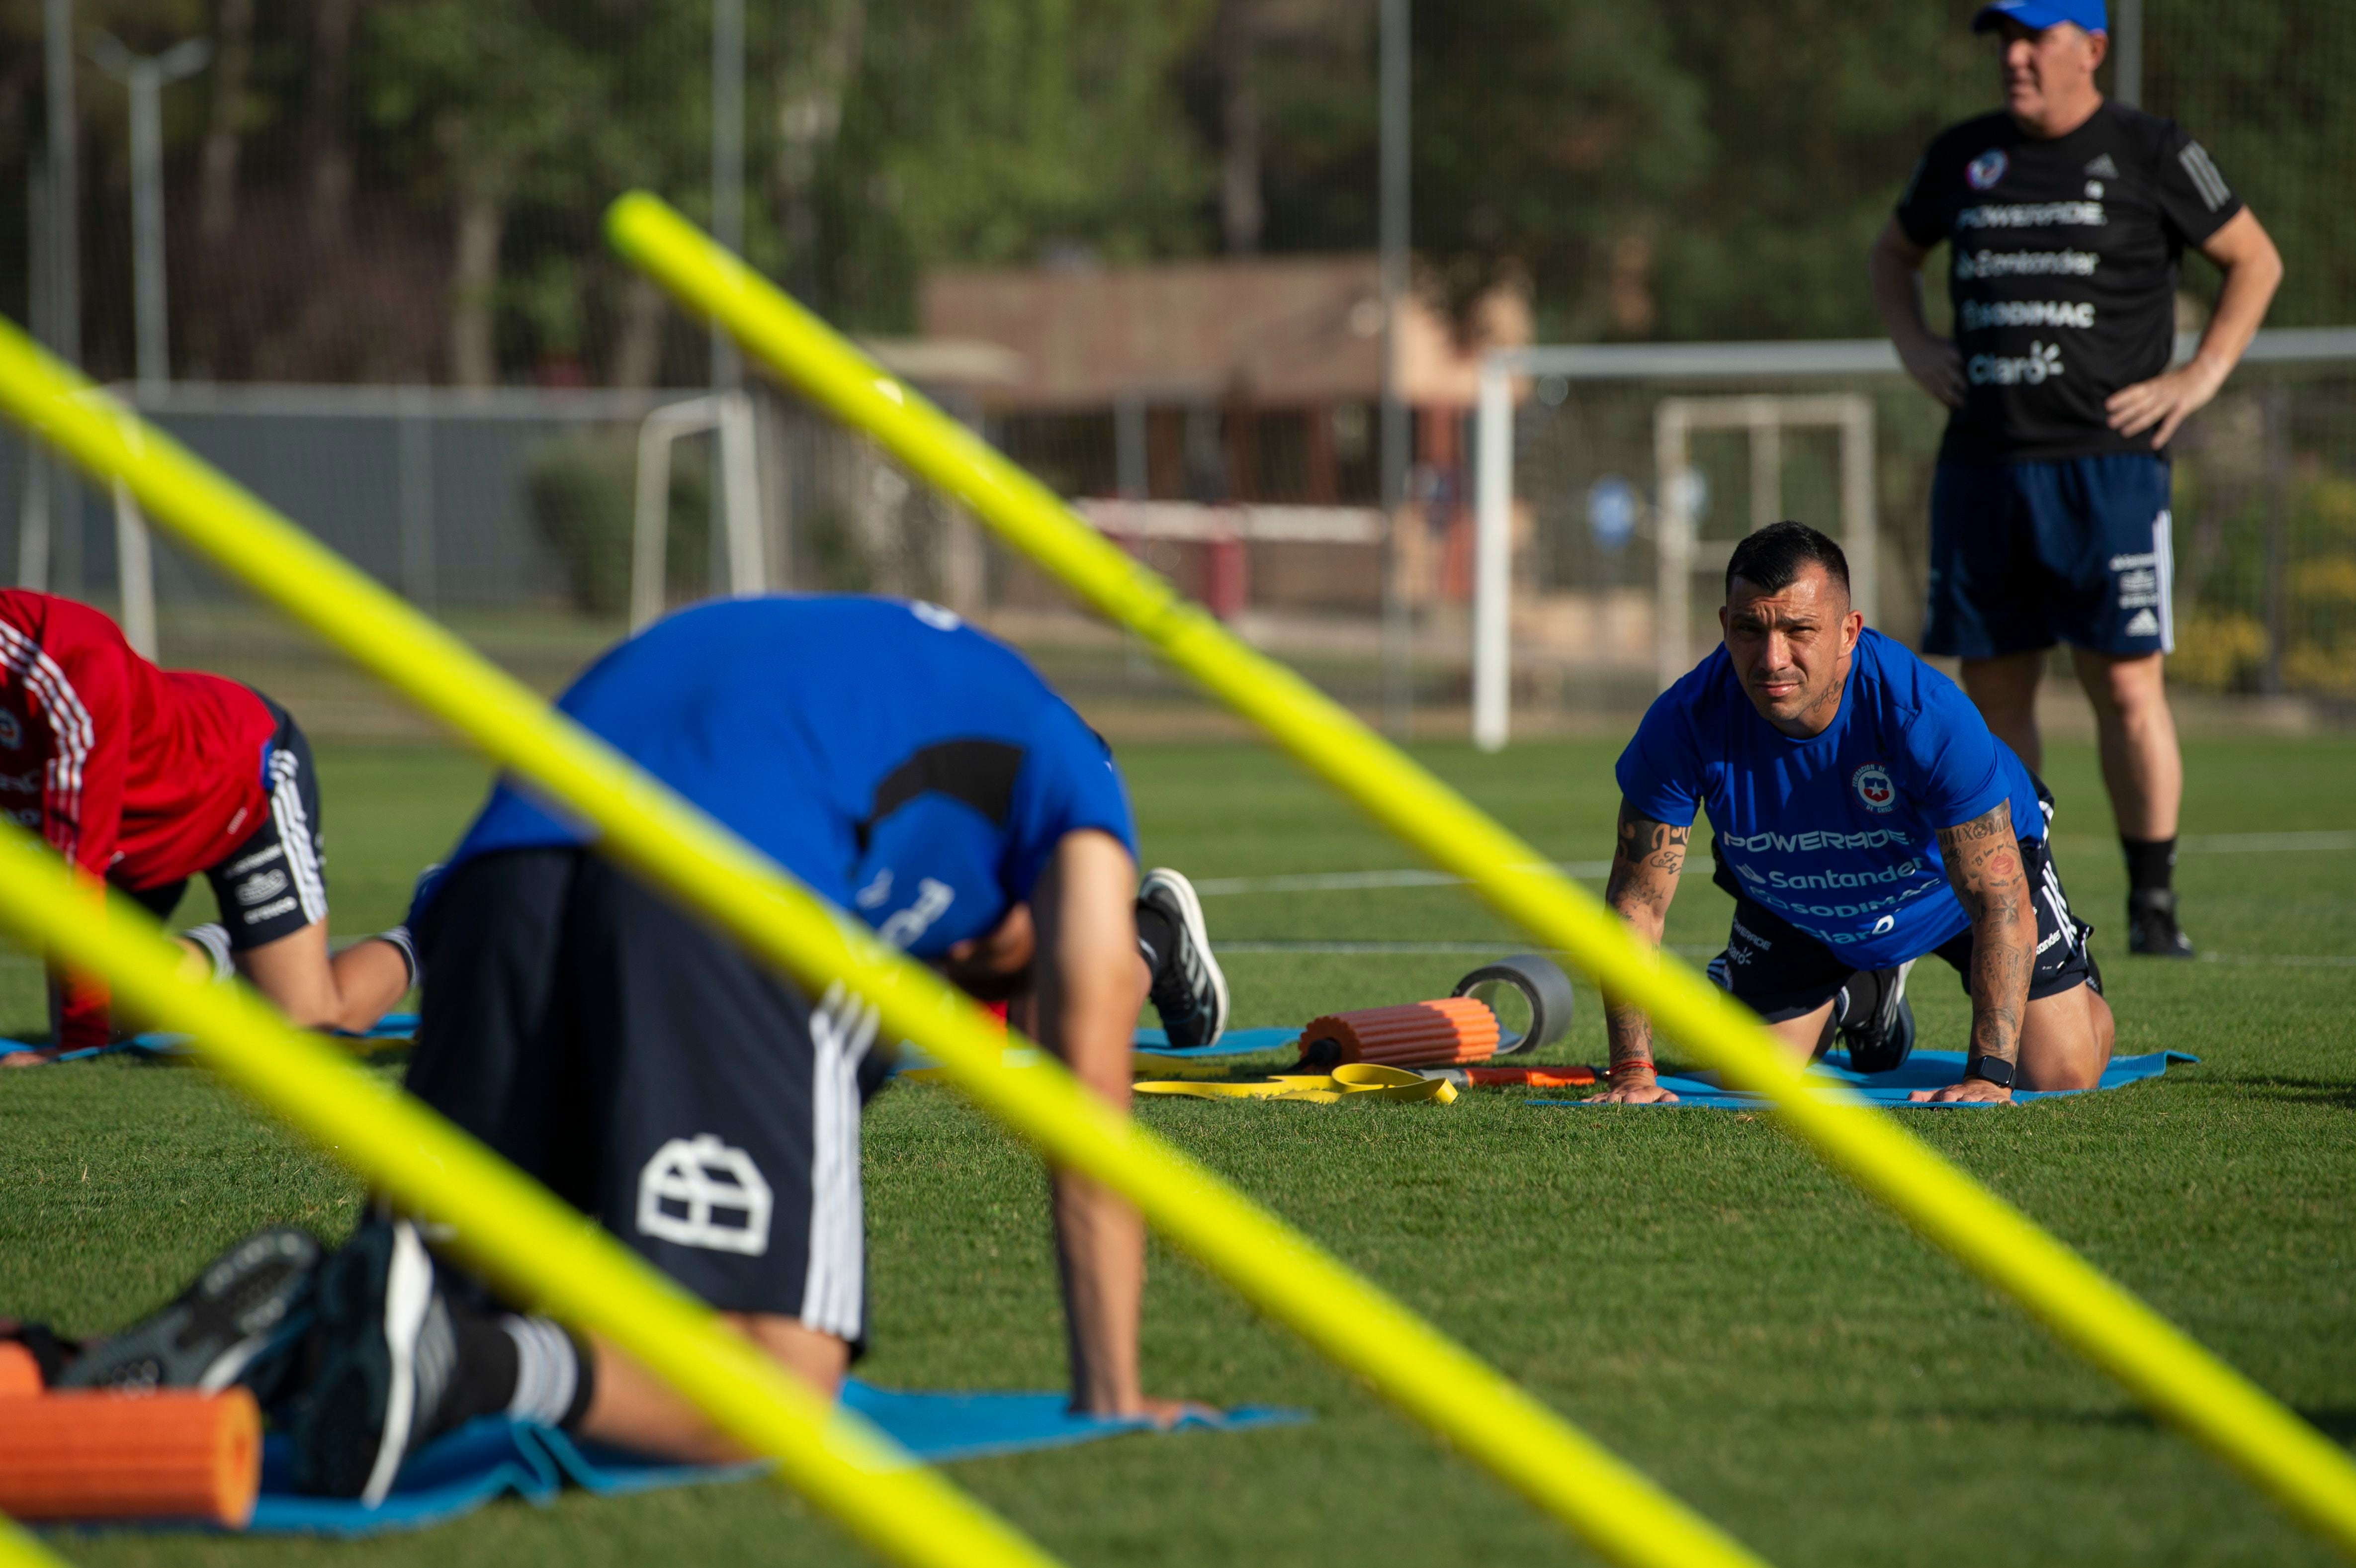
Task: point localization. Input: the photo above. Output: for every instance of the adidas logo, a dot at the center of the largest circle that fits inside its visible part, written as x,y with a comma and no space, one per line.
2143,623
2104,168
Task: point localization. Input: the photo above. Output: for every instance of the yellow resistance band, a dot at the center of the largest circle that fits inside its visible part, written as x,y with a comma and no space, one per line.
509,1226
2163,1367
712,871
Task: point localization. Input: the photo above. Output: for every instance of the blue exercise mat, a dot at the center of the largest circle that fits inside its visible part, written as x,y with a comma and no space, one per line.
494,1458
392,1026
1923,1069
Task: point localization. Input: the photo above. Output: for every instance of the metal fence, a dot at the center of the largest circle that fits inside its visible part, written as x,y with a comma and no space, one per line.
2265,509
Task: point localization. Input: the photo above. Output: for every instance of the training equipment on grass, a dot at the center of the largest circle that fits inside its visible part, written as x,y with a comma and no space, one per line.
1447,1033
1356,1080
2094,1314
521,1237
1567,1077
1530,995
1923,1069
494,1457
167,1454
20,1374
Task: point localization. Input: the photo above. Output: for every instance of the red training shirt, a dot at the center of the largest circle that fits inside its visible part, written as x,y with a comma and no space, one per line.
135,774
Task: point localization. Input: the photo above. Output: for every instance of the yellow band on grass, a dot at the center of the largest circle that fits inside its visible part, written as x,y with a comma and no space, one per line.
710,870
509,1226
2162,1366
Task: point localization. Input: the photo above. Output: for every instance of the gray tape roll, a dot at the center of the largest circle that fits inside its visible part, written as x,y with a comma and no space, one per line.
1545,989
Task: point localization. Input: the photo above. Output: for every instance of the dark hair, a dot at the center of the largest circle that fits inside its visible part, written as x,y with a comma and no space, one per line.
1772,557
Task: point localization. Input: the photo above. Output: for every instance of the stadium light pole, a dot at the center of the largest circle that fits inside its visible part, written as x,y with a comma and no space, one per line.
145,76
49,489
727,165
1393,86
2126,54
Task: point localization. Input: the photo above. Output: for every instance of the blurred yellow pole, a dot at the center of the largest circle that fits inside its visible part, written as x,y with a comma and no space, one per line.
709,869
508,1225
2165,1367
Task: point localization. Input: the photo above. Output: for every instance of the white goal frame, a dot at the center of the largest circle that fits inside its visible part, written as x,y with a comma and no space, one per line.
1699,362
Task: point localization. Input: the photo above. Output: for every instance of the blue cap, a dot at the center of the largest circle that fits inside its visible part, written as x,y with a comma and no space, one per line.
2039,14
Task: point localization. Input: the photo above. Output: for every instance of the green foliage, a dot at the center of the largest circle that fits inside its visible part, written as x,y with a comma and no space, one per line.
582,491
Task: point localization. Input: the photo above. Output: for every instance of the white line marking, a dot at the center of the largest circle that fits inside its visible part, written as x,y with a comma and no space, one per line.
1354,881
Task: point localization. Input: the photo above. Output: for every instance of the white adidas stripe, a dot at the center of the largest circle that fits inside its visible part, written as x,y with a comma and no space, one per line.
69,722
295,835
834,1289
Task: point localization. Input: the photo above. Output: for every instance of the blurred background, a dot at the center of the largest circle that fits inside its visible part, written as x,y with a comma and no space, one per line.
349,250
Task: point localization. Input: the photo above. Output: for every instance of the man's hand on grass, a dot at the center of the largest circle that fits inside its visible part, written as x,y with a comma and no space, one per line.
1167,1414
1974,1089
1639,1088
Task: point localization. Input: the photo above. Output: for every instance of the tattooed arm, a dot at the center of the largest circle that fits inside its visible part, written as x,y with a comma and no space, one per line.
1984,867
1645,863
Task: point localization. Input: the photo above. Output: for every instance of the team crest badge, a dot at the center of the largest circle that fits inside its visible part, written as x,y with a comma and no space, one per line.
1982,172
1873,787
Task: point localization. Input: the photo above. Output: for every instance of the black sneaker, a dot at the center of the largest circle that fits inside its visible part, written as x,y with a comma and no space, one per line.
1188,990
385,1354
2151,925
1882,1041
236,1323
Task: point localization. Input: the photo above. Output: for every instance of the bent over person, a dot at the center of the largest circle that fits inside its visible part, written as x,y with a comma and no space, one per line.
1864,819
2066,219
145,778
706,1112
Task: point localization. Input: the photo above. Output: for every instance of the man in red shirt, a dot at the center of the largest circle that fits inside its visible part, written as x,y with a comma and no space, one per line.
144,778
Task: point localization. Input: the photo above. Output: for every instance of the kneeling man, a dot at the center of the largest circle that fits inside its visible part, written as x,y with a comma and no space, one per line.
1864,817
703,1109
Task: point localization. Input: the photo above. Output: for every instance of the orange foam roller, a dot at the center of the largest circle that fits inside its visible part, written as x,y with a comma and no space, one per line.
1454,1030
173,1454
20,1373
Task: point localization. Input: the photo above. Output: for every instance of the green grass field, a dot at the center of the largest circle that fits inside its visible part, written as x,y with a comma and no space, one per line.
1690,1286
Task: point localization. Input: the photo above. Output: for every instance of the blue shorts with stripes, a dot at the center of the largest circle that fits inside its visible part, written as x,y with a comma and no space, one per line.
2026,554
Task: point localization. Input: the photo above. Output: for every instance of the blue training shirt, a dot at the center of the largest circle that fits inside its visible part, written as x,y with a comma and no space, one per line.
902,764
1836,834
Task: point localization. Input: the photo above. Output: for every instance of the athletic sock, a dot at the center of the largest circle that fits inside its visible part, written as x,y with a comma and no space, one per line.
1157,938
406,945
213,937
552,1375
525,1368
2150,863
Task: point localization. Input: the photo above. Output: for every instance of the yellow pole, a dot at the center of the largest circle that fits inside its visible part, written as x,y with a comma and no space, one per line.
19,1550
509,1226
709,869
2160,1364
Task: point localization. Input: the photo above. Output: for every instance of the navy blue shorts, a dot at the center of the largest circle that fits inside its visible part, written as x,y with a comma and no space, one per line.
2024,555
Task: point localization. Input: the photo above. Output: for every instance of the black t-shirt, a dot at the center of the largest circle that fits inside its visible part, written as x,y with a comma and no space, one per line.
2063,271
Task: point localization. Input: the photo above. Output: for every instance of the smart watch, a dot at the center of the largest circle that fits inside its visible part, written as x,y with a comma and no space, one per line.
1995,1070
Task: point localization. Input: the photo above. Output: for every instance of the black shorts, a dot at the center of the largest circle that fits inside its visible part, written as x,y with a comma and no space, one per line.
275,883
1780,972
653,1077
2030,553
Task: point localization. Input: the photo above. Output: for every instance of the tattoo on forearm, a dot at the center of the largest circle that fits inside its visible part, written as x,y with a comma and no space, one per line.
1645,863
1984,867
1632,1036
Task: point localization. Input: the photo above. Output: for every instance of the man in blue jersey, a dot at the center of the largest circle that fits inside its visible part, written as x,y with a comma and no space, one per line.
908,767
1864,817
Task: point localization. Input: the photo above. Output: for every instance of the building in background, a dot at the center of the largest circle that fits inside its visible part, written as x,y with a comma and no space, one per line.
1220,416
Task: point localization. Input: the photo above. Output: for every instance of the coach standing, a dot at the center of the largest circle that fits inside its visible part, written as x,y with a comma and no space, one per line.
2067,218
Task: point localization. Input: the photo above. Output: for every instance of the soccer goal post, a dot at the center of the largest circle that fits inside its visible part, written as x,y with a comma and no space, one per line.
1614,478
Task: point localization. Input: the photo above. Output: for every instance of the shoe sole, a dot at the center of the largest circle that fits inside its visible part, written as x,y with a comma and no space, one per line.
1190,915
254,1328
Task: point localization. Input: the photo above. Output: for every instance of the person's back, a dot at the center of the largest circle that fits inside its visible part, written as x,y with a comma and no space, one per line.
895,760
